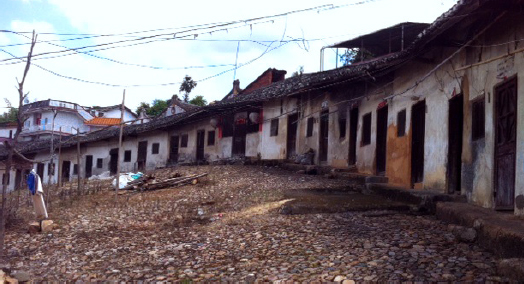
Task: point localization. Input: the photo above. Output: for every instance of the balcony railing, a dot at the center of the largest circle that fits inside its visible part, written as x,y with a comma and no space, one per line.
57,128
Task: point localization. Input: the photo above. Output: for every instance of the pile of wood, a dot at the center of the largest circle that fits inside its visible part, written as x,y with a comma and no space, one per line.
150,182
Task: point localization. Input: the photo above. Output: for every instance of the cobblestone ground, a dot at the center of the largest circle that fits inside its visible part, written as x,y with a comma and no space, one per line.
154,237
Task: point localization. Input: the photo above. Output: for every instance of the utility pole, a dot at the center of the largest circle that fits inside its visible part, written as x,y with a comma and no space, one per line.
59,156
78,158
120,146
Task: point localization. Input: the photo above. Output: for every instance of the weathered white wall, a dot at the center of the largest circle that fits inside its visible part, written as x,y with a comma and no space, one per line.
4,131
211,152
115,113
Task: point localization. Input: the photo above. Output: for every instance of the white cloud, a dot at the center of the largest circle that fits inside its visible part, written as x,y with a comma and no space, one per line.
102,17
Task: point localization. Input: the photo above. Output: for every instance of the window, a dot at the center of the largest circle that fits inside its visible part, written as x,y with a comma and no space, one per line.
183,140
155,149
342,123
477,119
127,156
252,127
50,169
6,178
75,169
366,129
310,122
227,126
99,163
274,127
210,138
401,123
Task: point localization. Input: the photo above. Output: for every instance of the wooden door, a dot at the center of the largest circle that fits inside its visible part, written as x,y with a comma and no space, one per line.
292,127
40,170
89,166
141,155
173,152
353,126
324,134
455,127
505,144
113,160
66,170
418,129
201,134
239,139
382,136
18,179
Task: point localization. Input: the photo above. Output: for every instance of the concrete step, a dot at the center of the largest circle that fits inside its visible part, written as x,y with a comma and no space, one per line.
426,200
501,233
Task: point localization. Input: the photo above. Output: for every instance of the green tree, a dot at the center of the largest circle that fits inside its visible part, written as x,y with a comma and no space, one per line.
299,72
9,116
154,109
187,86
354,55
143,106
157,107
198,101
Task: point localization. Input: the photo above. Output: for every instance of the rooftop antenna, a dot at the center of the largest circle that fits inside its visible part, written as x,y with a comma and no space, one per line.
236,61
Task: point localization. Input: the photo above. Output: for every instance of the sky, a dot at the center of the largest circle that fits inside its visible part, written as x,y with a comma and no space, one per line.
147,47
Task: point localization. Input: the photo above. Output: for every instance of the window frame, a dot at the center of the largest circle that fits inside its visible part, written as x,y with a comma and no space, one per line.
184,138
478,119
99,163
366,129
309,126
273,130
127,155
155,148
401,123
211,137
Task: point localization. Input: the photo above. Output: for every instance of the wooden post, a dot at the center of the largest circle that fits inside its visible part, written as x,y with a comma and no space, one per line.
120,146
59,164
78,158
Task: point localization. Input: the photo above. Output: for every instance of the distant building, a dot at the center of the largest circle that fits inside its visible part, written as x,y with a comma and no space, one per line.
53,117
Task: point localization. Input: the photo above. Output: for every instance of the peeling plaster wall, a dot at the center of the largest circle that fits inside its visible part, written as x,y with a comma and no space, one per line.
211,152
478,159
274,147
311,107
366,153
436,90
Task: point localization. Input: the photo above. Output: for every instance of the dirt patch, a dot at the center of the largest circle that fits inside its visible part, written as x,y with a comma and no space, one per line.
309,202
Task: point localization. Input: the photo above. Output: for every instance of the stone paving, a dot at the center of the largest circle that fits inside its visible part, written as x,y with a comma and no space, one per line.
153,240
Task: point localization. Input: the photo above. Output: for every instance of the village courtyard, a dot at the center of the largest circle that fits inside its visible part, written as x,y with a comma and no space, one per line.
240,223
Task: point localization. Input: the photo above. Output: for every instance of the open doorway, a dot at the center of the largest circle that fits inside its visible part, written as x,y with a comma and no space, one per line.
353,127
455,132
382,136
66,170
292,126
324,136
201,134
418,130
113,160
505,116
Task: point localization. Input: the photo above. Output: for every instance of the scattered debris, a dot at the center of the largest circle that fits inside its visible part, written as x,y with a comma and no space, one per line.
463,234
102,176
34,227
47,226
306,158
150,182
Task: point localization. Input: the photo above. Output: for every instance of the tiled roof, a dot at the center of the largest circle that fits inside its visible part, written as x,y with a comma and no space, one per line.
290,86
103,121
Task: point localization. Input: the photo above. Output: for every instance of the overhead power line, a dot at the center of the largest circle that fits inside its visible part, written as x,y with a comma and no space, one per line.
210,28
